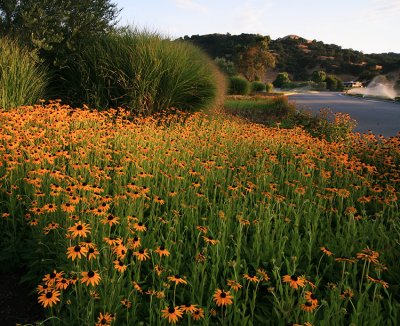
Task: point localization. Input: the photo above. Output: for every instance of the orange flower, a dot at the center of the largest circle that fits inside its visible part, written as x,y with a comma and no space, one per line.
76,252
294,281
110,220
142,254
177,279
172,314
120,266
234,285
222,298
162,251
198,314
49,298
79,229
91,277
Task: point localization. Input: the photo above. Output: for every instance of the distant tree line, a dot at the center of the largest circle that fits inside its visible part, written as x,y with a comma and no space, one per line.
295,55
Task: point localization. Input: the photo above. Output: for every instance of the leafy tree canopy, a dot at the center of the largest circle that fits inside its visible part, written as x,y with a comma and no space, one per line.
55,27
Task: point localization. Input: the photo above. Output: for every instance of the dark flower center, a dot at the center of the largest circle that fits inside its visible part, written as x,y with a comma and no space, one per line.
294,278
103,321
91,250
223,295
79,227
135,239
140,224
110,217
313,296
141,251
77,249
53,275
51,206
308,304
121,263
177,276
171,310
49,295
162,247
90,273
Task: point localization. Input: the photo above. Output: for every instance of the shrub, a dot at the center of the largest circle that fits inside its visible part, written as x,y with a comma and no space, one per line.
22,79
334,83
143,72
238,86
257,86
269,87
318,76
281,80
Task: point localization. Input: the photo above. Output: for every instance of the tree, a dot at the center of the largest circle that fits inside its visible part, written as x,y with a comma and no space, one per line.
226,66
281,80
252,60
334,83
55,27
318,76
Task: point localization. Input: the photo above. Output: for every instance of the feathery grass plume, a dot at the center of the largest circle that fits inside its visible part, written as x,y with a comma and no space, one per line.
22,79
143,72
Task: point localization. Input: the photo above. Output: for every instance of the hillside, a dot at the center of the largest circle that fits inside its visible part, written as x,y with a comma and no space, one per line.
300,57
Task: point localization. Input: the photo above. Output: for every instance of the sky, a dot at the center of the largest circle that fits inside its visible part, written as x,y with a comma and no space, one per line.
370,26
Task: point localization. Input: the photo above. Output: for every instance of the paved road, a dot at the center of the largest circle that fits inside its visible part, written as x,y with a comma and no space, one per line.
380,117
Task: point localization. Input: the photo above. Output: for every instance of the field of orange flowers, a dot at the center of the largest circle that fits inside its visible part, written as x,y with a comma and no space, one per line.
198,220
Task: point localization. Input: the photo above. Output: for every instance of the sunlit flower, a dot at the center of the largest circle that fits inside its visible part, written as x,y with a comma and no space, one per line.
76,252
172,314
177,279
198,314
294,281
142,254
79,229
91,277
222,298
49,298
119,266
162,251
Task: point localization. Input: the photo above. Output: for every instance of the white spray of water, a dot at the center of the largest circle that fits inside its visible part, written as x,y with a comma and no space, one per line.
379,87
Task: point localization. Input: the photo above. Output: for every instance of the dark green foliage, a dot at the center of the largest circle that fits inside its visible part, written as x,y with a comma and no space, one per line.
298,56
258,86
56,27
318,76
226,66
281,80
334,83
141,72
269,87
238,86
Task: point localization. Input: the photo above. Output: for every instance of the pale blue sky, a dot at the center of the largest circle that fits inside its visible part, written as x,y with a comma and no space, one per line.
370,26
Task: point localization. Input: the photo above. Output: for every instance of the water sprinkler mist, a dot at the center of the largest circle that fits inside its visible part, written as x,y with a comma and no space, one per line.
378,87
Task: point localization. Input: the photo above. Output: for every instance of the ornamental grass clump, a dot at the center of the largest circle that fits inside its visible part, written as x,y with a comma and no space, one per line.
142,72
22,79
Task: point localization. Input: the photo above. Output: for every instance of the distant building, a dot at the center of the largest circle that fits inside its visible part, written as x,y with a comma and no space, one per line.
353,84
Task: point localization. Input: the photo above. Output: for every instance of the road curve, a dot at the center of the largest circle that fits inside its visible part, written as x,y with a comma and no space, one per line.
381,117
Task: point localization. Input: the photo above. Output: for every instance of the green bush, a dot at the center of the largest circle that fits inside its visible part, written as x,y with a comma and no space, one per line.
269,87
22,79
238,86
257,86
334,83
282,80
142,72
